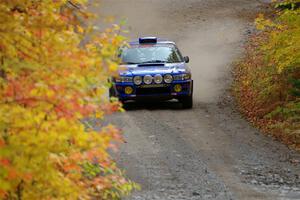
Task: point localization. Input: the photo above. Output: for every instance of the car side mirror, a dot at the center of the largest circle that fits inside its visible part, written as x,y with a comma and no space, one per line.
186,59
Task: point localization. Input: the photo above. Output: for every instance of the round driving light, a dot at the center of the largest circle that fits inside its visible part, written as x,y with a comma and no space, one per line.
177,88
137,80
158,78
148,79
168,78
128,90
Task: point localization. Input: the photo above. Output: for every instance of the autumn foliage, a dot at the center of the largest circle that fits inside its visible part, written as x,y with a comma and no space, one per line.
49,82
268,78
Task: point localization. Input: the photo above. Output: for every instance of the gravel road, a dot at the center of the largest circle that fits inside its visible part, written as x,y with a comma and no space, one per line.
209,152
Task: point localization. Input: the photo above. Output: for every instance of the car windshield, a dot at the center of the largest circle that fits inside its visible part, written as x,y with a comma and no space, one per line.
151,54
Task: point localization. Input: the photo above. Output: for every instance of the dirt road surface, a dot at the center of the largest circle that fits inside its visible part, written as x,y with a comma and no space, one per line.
208,152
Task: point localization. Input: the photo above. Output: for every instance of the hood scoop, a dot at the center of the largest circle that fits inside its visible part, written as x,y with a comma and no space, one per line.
151,65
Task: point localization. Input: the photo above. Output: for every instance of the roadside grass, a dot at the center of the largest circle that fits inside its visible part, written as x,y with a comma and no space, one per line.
267,79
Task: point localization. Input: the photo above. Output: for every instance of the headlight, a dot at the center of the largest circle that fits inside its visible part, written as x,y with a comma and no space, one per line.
137,80
168,78
148,79
182,77
158,79
124,79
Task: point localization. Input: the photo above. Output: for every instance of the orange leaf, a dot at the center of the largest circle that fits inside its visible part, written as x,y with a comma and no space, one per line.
12,174
2,143
5,162
2,193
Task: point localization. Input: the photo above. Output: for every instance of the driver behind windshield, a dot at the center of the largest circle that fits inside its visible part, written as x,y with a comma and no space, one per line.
151,54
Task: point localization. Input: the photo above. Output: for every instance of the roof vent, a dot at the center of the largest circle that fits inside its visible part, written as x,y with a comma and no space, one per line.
148,40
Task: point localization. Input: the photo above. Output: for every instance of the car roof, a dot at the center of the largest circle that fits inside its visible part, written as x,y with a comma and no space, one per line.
159,41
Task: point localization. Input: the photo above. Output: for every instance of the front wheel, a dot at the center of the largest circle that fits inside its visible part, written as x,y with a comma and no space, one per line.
187,102
112,92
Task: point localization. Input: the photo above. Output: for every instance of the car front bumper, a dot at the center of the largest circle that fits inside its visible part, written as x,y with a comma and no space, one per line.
154,91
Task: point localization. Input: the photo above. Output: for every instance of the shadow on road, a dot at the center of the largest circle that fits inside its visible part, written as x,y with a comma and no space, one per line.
153,105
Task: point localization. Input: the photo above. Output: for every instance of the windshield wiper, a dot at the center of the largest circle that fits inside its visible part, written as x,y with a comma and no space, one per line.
154,61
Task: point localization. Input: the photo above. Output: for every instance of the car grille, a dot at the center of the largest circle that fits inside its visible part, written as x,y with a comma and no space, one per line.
149,91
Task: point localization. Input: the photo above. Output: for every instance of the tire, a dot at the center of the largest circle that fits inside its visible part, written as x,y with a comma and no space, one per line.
112,92
187,102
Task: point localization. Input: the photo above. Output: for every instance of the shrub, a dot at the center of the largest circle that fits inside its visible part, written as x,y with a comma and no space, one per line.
267,79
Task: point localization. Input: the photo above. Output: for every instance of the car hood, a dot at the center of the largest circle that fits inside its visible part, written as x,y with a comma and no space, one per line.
168,68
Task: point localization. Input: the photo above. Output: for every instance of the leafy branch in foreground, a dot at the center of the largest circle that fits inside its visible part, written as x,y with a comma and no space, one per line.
49,81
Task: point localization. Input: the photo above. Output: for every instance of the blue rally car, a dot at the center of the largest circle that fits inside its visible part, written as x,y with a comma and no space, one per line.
153,69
